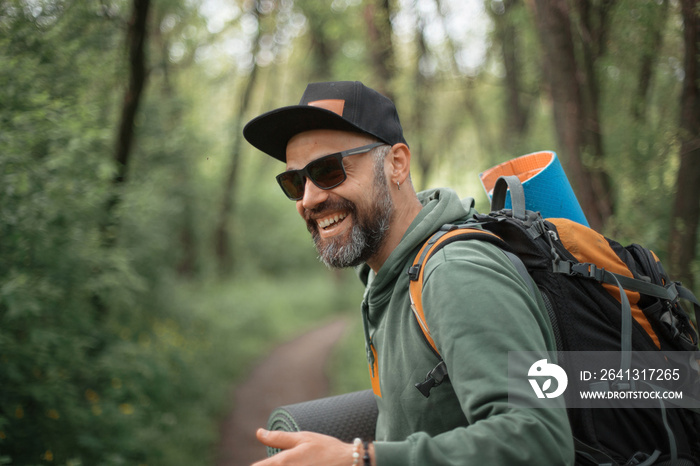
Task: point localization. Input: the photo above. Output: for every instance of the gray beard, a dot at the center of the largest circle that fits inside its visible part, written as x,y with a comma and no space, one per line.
367,234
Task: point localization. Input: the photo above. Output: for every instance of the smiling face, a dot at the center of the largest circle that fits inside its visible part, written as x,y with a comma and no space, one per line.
348,223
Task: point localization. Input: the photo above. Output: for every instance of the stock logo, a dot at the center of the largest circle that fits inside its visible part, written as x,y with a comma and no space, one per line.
541,369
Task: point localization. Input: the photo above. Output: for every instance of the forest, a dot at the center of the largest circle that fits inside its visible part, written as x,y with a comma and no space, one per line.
147,256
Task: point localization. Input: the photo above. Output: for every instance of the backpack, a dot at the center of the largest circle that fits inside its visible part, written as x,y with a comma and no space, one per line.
599,296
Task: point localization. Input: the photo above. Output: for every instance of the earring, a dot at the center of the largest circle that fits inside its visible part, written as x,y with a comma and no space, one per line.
398,186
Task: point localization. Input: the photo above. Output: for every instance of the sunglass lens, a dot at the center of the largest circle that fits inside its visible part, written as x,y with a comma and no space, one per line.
292,183
327,172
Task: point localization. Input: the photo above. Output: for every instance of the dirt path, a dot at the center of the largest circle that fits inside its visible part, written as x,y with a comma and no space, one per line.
293,372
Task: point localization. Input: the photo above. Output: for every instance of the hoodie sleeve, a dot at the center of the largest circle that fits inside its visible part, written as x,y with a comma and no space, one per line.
478,309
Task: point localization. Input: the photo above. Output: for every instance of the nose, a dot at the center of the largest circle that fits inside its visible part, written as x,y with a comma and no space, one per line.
313,195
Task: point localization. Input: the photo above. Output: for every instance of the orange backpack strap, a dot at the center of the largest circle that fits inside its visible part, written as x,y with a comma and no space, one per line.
446,235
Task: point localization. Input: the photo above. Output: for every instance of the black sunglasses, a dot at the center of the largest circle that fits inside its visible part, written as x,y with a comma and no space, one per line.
326,172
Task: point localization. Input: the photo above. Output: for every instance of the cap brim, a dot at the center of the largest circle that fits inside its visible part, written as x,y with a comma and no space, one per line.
271,131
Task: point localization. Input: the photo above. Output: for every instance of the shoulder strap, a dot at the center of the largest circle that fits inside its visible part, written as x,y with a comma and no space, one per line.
446,235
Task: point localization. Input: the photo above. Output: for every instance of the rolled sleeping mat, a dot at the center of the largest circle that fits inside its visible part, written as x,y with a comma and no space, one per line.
547,189
345,417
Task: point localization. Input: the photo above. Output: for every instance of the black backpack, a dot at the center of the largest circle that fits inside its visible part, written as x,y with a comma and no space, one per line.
600,296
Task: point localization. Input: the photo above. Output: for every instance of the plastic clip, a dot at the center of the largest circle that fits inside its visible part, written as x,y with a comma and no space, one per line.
414,272
434,378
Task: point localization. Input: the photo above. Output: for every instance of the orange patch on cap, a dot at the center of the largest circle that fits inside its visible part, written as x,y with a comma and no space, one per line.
334,105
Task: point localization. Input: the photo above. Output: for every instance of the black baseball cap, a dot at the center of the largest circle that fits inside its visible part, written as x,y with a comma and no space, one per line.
342,105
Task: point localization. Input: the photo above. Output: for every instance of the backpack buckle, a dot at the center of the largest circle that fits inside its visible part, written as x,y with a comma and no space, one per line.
589,271
434,378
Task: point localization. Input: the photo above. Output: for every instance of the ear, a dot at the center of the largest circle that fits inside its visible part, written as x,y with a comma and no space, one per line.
399,159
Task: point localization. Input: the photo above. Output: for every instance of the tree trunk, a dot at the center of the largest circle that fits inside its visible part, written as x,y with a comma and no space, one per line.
516,115
378,20
573,90
222,235
683,237
136,42
650,53
593,32
423,159
323,47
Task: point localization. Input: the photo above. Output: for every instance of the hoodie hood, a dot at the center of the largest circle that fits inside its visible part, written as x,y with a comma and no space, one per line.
440,206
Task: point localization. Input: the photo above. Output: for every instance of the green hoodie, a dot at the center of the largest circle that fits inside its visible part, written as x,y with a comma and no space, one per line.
478,308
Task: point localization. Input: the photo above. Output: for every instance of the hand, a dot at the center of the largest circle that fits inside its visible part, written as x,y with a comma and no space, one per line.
305,449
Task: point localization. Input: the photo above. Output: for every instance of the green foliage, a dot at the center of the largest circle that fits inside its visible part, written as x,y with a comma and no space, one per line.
273,238
640,129
101,344
119,345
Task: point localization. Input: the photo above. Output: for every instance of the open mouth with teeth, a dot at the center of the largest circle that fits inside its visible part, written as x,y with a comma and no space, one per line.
332,220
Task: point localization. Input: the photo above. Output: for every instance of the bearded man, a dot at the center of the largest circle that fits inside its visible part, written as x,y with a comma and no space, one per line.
348,170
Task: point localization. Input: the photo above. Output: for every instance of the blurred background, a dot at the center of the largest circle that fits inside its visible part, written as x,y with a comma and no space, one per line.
148,259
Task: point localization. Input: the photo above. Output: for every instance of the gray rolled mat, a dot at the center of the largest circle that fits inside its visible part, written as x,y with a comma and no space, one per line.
344,416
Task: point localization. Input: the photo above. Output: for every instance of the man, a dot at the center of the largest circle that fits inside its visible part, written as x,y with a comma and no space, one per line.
348,172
